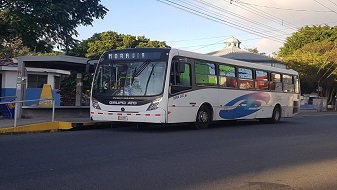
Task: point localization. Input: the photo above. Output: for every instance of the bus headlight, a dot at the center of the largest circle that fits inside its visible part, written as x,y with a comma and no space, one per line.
95,104
154,104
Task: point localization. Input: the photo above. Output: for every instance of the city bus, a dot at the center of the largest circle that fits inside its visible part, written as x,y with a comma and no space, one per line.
164,85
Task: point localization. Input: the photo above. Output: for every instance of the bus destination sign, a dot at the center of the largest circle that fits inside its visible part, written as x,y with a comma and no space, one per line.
133,55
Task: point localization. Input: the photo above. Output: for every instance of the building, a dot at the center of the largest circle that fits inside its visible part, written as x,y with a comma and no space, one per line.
39,70
232,50
36,77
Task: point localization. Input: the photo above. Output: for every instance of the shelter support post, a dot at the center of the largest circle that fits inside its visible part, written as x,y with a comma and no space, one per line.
78,89
21,82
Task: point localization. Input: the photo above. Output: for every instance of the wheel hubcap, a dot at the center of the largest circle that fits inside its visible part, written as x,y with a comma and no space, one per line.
203,117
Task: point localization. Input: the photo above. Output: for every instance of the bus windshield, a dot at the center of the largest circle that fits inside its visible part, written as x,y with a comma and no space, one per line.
129,78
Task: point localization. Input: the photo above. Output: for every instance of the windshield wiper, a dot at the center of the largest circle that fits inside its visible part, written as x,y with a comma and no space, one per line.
148,79
140,69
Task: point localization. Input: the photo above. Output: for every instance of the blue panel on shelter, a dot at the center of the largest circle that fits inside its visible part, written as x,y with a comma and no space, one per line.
31,94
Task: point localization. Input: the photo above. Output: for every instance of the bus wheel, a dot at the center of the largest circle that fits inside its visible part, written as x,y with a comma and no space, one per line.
203,118
276,114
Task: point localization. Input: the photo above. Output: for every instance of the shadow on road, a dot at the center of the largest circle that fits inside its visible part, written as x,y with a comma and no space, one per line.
165,128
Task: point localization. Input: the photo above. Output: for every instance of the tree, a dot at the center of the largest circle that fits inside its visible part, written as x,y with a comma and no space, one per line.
13,48
305,36
112,40
43,23
312,51
316,64
253,50
80,49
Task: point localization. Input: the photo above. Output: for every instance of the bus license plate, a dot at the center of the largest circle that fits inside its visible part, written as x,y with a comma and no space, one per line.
122,118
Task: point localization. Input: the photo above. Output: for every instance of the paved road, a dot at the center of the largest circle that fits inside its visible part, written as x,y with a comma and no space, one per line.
298,153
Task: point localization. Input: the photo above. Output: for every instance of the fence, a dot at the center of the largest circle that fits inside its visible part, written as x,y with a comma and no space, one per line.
17,102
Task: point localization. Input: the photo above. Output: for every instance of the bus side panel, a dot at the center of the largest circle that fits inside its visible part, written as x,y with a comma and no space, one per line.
240,104
184,107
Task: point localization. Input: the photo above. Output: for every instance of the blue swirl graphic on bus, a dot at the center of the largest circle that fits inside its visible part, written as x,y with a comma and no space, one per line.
245,105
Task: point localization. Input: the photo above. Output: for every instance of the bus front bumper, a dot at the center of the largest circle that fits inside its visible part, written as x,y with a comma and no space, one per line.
154,116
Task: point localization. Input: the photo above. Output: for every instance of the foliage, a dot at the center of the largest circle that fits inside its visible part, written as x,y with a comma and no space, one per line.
53,53
68,88
253,50
316,63
312,51
305,36
104,41
43,23
12,48
80,49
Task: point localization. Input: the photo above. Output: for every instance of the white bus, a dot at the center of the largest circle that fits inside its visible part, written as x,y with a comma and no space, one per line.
162,85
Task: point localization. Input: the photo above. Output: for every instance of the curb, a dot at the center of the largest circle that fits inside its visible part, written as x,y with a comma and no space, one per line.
46,126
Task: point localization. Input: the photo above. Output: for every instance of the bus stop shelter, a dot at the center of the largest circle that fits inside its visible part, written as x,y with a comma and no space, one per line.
70,63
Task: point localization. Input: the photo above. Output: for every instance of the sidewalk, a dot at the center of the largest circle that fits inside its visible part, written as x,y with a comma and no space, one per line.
31,125
308,113
4,122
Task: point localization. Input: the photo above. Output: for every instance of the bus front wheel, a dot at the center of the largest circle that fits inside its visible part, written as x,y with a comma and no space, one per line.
203,118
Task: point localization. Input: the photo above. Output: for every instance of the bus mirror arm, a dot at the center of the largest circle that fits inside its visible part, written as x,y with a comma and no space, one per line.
87,66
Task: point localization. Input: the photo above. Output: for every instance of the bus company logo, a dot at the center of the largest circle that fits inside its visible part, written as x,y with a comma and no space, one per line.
246,105
122,102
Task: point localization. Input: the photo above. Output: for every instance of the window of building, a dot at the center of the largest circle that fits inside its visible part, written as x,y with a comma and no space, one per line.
227,76
36,81
205,73
246,78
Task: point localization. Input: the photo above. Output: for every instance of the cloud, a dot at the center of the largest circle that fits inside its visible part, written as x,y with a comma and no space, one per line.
267,46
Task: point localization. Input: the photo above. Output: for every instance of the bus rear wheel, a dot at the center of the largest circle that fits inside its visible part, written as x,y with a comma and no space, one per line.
203,118
276,115
275,118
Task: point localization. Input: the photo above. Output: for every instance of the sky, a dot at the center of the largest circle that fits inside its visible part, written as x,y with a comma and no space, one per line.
203,25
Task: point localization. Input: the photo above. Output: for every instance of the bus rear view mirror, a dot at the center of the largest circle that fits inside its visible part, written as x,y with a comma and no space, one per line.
180,67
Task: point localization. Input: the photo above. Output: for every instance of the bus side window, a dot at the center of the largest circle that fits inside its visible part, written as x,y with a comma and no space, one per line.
261,81
276,82
246,78
205,73
297,84
288,84
227,76
180,81
174,78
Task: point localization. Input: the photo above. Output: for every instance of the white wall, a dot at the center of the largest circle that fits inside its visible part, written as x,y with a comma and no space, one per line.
9,79
9,75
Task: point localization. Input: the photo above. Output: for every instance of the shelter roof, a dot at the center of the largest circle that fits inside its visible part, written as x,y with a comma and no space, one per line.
62,62
8,62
